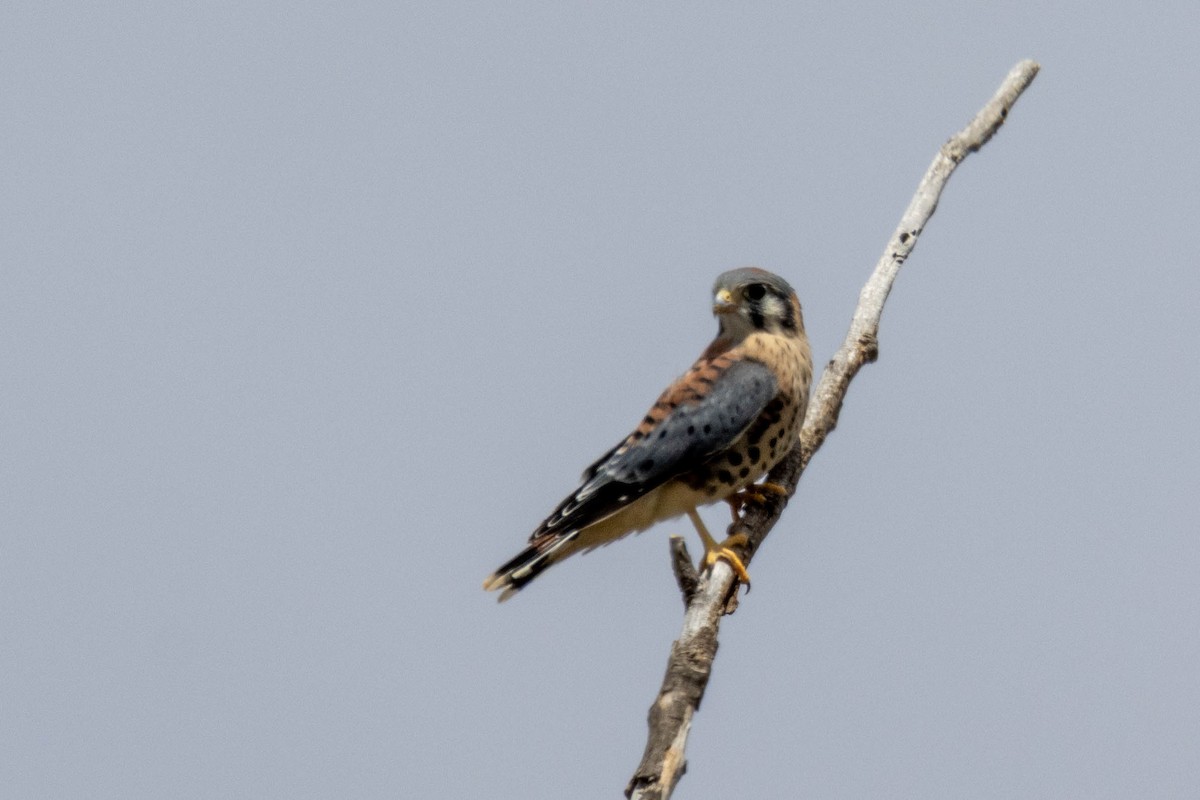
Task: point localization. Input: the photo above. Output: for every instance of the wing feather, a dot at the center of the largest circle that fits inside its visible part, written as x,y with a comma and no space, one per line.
689,433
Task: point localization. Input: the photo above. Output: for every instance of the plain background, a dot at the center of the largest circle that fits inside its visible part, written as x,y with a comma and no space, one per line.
310,313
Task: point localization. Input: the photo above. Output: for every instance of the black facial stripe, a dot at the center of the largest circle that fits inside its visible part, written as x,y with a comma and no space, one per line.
789,315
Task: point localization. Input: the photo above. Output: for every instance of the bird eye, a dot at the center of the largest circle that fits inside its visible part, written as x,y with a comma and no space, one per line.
756,291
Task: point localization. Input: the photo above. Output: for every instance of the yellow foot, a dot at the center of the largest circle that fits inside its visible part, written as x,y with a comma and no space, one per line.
724,551
754,493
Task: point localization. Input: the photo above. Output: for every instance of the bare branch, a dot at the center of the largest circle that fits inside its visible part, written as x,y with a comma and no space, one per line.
685,572
690,664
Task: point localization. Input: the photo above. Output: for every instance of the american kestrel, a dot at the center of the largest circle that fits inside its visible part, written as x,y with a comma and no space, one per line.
715,431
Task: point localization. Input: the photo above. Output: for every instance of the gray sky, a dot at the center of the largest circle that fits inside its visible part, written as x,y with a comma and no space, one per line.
310,315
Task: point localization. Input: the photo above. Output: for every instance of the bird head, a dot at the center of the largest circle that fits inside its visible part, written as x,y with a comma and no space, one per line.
748,300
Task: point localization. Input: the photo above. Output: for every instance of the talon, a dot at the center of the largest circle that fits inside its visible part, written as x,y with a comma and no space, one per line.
722,551
754,493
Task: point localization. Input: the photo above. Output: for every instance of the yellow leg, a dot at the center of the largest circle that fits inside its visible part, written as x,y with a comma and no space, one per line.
754,493
723,550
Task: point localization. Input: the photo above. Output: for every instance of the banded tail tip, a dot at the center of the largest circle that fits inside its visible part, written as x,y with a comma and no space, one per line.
513,575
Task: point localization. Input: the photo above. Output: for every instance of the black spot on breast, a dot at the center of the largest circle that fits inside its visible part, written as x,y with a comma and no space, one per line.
724,476
743,472
774,441
754,454
734,459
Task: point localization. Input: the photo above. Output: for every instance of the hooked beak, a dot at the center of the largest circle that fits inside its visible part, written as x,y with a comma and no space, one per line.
723,302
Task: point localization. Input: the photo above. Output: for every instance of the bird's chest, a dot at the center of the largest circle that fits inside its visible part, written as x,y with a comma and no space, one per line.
769,438
762,446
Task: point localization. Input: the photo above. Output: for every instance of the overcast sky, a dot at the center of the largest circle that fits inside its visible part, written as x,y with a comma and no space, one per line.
310,314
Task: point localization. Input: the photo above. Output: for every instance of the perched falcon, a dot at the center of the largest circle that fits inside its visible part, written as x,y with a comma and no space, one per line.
714,432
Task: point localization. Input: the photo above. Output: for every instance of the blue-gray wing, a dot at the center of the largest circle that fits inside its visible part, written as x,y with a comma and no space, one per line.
700,425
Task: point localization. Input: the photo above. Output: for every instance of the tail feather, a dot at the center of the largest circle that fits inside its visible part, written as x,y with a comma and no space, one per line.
514,574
